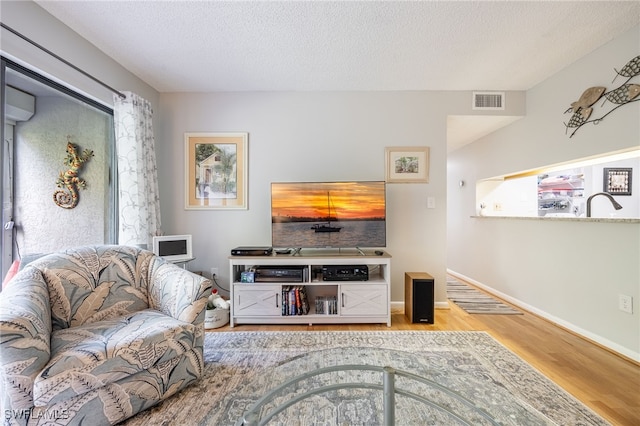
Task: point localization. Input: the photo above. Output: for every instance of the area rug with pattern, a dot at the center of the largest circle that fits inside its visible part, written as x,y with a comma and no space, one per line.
474,301
458,367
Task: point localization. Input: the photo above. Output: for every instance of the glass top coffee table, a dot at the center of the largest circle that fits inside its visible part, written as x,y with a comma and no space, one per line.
373,386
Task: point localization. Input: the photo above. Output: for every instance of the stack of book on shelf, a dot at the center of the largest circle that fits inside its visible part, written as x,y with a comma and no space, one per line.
326,305
294,300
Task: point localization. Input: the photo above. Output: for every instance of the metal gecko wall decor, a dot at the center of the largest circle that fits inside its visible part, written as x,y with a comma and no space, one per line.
68,197
622,95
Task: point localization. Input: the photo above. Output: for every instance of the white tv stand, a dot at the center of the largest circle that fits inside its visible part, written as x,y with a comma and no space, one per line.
357,301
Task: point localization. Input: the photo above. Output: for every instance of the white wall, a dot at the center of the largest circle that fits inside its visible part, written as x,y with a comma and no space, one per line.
311,137
571,272
40,151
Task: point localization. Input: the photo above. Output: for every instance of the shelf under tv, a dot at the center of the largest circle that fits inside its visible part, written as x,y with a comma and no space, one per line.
357,301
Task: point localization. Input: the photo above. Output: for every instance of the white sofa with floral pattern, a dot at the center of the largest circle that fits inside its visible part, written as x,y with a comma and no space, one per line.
94,335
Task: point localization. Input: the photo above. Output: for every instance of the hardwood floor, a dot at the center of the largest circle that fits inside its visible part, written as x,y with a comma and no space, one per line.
605,382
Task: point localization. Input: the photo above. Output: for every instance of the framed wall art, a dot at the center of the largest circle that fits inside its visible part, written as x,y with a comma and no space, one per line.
407,164
617,181
216,171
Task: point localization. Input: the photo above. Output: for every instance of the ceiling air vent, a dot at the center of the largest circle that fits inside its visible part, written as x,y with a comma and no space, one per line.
488,101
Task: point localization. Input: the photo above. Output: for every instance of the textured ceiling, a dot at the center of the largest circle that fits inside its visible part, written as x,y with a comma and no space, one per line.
207,46
203,46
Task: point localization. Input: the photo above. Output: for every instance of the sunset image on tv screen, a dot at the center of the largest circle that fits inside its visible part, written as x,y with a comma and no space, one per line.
328,214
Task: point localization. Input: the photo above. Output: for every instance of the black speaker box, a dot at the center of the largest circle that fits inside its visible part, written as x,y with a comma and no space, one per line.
419,297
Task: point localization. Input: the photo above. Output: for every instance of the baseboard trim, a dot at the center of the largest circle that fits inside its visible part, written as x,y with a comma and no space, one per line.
442,305
604,343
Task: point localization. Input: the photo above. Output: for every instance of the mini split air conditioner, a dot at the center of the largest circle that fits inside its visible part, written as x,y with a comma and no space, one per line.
20,106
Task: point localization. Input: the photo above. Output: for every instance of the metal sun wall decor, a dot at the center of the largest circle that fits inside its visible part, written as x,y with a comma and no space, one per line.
68,197
622,95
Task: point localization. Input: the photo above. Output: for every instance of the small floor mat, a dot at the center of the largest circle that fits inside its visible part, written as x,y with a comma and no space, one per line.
475,301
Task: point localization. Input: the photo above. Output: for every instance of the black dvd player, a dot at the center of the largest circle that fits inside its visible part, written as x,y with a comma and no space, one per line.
252,251
280,274
345,273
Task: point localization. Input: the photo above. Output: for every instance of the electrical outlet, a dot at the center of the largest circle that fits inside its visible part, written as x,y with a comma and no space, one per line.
625,303
214,272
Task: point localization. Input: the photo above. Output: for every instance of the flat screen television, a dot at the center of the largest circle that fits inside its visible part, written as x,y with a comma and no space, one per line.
328,214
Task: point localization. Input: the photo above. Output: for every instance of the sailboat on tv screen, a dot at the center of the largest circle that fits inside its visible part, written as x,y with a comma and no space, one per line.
327,227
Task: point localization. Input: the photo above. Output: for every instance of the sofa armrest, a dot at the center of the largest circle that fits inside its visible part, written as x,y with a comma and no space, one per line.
25,334
177,292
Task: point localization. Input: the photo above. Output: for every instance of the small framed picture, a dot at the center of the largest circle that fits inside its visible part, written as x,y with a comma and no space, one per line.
407,164
617,181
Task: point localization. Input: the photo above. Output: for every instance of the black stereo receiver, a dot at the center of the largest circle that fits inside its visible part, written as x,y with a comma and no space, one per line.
345,273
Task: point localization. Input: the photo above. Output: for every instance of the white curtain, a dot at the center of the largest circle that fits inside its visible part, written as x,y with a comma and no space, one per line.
138,200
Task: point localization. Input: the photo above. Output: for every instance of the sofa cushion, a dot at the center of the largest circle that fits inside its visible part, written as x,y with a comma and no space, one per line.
95,354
